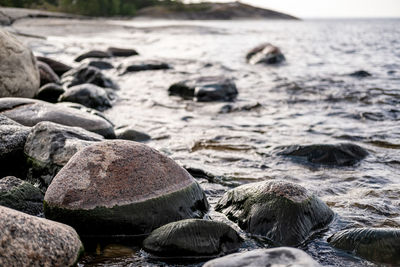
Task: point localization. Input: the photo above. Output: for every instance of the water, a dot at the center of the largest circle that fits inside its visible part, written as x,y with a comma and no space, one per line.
309,99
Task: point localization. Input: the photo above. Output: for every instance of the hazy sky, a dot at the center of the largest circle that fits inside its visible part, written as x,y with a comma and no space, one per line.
329,8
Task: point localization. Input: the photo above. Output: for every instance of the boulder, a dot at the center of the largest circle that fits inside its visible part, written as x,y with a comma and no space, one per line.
58,67
19,74
89,95
20,195
122,52
146,65
192,238
379,245
286,213
101,65
30,112
128,133
50,92
115,188
93,54
265,54
205,89
360,74
327,154
47,75
31,241
274,257
58,143
87,74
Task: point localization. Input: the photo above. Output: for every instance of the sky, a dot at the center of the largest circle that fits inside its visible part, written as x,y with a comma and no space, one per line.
328,8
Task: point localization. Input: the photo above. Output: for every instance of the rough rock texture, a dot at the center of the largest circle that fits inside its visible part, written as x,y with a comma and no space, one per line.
58,67
205,89
47,75
284,212
19,75
58,143
31,241
93,54
339,154
20,195
275,257
128,133
29,112
122,187
87,74
50,92
266,54
122,52
12,141
146,65
379,245
89,95
192,238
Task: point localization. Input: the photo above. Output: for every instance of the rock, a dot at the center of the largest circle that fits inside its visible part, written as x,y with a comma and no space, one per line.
20,195
128,133
87,74
379,245
275,257
116,188
101,65
285,213
191,238
47,75
360,74
29,112
31,241
265,53
146,65
58,67
206,89
58,143
339,154
12,141
19,74
50,92
122,52
93,54
89,95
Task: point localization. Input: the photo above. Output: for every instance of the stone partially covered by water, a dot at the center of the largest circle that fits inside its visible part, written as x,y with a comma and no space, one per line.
58,67
381,245
93,54
122,188
136,66
284,212
265,54
87,74
275,257
50,92
31,241
192,238
122,52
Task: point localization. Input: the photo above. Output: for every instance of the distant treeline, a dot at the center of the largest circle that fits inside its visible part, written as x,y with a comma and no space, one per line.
92,7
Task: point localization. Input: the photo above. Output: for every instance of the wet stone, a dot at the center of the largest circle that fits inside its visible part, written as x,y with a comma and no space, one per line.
360,74
265,54
50,92
87,74
101,65
93,54
129,133
58,67
146,65
47,75
122,52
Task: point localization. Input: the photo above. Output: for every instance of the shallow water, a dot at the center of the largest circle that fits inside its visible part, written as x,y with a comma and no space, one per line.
310,99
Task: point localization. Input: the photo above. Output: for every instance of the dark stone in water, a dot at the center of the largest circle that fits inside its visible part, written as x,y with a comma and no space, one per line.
58,67
378,245
266,54
47,75
93,54
335,155
128,133
101,65
206,89
122,52
360,74
193,238
146,65
50,92
87,74
285,213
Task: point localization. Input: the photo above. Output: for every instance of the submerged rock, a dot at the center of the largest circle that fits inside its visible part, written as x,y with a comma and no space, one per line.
128,133
340,154
20,195
58,143
93,54
31,241
192,238
19,74
58,67
275,257
146,65
379,245
47,75
30,112
284,212
266,54
205,89
50,92
122,52
122,188
360,74
88,95
87,74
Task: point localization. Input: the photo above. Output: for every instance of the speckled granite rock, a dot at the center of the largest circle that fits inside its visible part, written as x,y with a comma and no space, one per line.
31,241
122,188
265,54
19,75
284,212
192,238
275,257
20,195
